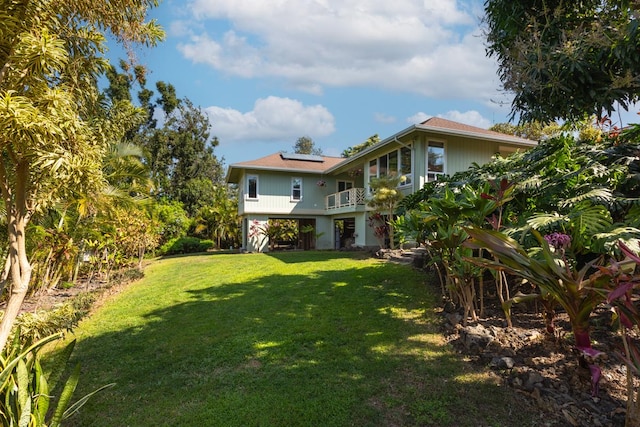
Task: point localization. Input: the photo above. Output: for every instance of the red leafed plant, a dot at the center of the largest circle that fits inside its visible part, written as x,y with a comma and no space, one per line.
624,296
577,291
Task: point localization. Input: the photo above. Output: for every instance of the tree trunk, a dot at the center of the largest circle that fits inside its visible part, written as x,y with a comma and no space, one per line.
20,268
20,275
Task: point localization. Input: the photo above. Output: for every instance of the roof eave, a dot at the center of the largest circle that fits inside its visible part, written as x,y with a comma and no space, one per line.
497,138
374,147
452,132
238,166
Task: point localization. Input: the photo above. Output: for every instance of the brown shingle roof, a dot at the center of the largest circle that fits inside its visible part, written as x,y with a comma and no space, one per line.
277,162
438,122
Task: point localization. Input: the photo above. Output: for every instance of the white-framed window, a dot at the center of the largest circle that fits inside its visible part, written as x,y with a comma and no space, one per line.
405,166
296,189
435,160
394,163
252,187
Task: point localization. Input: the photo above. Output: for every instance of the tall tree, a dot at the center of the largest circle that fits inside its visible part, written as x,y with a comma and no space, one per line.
306,145
50,141
181,155
176,138
565,59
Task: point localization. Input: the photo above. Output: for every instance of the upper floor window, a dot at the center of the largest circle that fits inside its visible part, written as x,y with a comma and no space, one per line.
435,160
405,166
296,189
395,163
252,186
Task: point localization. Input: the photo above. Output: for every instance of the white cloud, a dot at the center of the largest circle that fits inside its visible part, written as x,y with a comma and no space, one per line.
272,119
470,117
432,47
384,118
418,118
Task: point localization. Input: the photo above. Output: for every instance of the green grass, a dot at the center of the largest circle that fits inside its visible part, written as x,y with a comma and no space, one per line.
291,339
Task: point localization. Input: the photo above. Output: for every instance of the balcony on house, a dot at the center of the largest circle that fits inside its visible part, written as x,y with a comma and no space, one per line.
351,198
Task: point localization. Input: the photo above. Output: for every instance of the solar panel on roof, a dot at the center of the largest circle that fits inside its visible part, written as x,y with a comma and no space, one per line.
302,157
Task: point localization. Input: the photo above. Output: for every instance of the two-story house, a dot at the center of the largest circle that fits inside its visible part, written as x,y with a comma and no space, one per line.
329,194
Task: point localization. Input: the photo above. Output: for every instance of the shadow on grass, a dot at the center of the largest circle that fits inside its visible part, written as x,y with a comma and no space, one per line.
330,348
290,257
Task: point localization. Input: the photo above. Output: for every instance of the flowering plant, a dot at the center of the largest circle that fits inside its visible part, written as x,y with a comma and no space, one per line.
558,240
321,183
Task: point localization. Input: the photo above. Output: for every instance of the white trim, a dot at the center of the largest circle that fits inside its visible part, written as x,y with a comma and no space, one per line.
293,178
444,160
257,179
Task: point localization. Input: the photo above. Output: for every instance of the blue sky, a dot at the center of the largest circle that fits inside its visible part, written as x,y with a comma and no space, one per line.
270,71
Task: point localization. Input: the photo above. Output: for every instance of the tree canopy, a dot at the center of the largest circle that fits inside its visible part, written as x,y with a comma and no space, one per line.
565,59
535,130
352,151
179,149
306,145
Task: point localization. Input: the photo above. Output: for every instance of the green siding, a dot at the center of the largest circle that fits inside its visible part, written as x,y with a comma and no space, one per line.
462,153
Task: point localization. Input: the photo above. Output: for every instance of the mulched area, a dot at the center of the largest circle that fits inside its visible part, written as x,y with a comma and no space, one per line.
543,370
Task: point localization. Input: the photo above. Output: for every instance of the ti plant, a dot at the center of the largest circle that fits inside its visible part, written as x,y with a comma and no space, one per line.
28,392
577,291
623,295
503,193
439,224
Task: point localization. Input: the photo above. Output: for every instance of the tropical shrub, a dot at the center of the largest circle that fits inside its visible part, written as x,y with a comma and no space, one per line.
185,245
274,231
31,396
384,200
173,220
219,221
36,325
54,253
581,194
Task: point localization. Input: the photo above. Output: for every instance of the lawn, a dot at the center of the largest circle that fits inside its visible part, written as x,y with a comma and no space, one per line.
290,339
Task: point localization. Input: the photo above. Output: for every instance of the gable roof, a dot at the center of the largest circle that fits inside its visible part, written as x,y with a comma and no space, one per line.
286,163
440,124
445,127
323,164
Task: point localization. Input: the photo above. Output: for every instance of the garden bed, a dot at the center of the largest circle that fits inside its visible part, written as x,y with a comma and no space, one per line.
544,369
